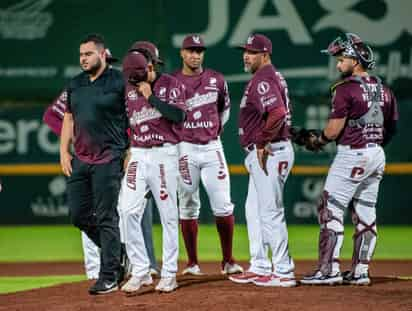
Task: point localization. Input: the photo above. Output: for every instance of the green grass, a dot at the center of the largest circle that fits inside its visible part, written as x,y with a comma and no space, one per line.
62,243
20,283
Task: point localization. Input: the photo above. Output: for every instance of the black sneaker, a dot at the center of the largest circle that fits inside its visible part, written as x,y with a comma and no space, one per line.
318,278
102,287
349,277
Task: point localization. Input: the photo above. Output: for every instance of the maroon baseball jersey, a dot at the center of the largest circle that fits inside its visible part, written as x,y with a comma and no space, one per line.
352,101
207,96
148,127
264,92
53,116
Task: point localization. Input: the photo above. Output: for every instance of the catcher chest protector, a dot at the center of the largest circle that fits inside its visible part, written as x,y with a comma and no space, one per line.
374,115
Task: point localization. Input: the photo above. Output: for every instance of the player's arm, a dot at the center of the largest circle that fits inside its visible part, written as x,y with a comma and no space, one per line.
390,125
170,112
332,130
65,142
224,105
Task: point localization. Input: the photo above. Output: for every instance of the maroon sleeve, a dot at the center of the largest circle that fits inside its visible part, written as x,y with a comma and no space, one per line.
274,123
340,103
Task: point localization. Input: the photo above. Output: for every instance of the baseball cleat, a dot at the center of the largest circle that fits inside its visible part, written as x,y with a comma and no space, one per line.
102,287
231,268
274,280
154,273
135,282
244,278
318,278
349,277
192,270
167,285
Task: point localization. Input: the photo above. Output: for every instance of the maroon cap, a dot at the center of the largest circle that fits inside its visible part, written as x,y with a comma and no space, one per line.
193,41
149,47
258,43
110,58
135,67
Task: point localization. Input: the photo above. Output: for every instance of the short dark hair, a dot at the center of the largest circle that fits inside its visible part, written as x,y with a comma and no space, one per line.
94,37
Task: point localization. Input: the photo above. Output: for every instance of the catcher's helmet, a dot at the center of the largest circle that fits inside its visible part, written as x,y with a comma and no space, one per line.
352,46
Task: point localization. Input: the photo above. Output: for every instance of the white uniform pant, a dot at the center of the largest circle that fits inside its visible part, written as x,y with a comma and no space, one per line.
265,215
204,163
354,174
154,169
91,255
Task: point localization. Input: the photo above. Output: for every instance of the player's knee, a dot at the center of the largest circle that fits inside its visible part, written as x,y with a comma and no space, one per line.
187,213
223,210
330,211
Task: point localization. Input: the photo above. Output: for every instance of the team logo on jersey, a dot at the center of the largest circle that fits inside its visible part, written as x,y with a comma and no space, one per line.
212,81
197,115
162,92
263,87
132,95
145,114
174,93
196,39
144,128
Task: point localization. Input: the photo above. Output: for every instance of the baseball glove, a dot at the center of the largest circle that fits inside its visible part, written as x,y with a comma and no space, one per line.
306,137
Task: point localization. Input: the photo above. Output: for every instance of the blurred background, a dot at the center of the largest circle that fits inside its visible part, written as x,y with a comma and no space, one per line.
39,43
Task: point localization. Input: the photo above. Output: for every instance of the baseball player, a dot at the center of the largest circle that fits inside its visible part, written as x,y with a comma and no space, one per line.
264,122
201,155
155,107
362,120
53,117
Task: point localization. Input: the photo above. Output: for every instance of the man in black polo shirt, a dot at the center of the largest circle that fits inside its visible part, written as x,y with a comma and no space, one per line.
96,122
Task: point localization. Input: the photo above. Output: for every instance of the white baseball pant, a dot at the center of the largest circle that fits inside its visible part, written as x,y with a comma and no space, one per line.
355,174
91,256
204,163
265,215
155,169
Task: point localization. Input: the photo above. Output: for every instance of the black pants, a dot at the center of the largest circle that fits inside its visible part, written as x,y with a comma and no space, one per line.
93,191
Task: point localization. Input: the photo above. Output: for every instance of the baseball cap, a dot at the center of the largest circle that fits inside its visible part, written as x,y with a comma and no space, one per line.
134,67
258,43
149,47
193,41
110,58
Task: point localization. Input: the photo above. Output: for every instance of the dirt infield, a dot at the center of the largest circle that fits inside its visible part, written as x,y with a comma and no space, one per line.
214,292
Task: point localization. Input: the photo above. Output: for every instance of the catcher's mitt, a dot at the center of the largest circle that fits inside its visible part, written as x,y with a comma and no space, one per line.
308,138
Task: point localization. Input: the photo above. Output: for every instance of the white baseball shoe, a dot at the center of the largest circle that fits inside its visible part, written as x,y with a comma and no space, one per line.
244,278
231,268
274,280
135,282
192,270
154,273
167,285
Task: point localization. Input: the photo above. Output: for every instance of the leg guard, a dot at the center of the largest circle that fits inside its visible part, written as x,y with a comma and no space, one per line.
331,234
364,238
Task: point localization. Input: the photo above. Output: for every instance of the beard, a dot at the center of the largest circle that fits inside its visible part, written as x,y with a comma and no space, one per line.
346,74
94,69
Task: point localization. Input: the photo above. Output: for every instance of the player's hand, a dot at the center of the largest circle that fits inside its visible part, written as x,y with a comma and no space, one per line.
263,155
126,160
66,163
145,89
